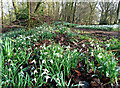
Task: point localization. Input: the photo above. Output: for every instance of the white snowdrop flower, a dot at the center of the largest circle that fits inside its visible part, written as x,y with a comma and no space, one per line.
68,47
48,55
33,68
83,45
49,46
43,61
33,62
31,73
51,61
35,47
11,64
34,80
20,35
92,54
22,43
45,72
9,60
2,82
5,75
40,46
8,54
45,53
35,40
21,73
61,56
35,71
9,69
58,80
7,81
44,48
58,48
97,45
107,45
75,50
92,44
99,55
29,48
21,67
57,54
80,49
40,57
19,48
108,41
47,77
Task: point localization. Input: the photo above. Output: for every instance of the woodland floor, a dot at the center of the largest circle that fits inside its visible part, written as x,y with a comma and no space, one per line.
79,75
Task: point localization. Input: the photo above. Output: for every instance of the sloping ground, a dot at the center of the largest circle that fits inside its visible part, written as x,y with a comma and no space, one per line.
80,40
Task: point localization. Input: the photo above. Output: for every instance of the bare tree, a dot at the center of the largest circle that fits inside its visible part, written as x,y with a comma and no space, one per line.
2,13
92,9
15,8
74,12
28,6
118,12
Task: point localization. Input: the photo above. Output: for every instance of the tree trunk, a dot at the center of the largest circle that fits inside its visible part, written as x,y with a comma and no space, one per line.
28,6
117,17
118,13
2,14
74,12
15,8
9,11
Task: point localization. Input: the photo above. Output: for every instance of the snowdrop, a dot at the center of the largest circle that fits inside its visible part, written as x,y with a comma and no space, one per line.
19,48
45,72
97,46
68,47
35,71
80,49
5,75
83,45
11,64
8,54
34,80
92,44
92,54
36,48
33,62
9,60
21,67
21,73
58,48
51,61
9,69
33,68
7,81
99,55
45,53
47,77
107,45
75,50
58,55
43,61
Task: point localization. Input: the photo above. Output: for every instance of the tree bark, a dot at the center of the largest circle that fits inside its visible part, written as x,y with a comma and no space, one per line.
28,6
15,8
118,12
2,13
74,12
